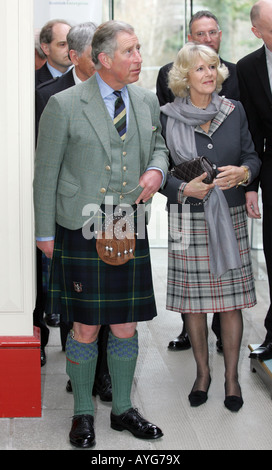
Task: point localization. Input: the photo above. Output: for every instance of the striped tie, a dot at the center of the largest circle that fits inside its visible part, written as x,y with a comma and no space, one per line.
120,115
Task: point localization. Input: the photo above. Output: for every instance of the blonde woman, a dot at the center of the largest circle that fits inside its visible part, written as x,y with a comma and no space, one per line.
214,272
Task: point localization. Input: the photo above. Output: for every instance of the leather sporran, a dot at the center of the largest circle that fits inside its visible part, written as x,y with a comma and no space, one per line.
115,244
190,169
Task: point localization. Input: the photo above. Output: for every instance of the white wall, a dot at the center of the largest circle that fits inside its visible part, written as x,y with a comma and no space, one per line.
73,11
17,286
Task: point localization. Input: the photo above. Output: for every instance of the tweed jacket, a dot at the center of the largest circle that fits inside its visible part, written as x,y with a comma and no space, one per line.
73,156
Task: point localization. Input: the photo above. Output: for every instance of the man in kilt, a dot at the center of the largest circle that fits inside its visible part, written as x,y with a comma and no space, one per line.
87,156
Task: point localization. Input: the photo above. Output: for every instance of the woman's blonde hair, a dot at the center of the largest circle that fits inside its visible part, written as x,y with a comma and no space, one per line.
186,59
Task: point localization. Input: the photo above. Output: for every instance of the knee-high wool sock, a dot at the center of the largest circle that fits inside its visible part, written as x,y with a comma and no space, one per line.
122,356
81,361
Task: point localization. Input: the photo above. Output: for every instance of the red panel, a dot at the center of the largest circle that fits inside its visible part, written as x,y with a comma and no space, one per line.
20,372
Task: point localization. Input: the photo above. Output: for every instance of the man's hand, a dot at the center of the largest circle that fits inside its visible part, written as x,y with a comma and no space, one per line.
46,247
252,207
151,182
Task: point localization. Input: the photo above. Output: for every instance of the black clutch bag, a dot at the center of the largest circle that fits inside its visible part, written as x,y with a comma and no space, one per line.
190,169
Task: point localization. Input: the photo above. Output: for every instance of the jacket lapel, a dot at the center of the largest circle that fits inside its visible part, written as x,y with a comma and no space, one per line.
262,72
96,112
142,118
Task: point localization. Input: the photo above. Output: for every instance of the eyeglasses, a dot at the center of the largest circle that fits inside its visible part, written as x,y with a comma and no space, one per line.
213,33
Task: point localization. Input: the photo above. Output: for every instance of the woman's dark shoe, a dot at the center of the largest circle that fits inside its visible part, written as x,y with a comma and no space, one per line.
234,402
199,397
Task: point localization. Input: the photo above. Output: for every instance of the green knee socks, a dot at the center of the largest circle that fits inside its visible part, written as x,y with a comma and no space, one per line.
81,361
122,357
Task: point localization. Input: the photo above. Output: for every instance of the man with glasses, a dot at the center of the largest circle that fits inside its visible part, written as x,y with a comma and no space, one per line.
203,28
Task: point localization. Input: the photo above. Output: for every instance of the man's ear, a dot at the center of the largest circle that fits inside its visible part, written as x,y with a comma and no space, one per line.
105,60
256,32
73,56
45,48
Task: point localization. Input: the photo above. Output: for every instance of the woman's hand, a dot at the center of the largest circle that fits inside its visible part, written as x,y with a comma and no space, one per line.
229,176
196,188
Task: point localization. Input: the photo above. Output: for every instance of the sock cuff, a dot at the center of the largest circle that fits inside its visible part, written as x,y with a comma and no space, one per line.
80,352
123,348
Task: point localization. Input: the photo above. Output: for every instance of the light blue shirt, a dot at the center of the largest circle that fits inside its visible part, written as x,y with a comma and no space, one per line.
109,97
56,73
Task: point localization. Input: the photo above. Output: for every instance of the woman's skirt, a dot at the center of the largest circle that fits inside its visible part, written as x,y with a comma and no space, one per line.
191,288
82,288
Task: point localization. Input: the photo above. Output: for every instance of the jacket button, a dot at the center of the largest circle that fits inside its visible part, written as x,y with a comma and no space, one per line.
124,183
108,167
103,190
124,154
210,146
124,168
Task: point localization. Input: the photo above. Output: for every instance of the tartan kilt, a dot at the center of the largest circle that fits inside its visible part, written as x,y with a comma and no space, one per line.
82,288
191,288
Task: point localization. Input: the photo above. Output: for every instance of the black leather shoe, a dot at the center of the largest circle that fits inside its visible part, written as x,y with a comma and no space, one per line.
53,319
133,422
181,343
103,388
82,431
43,357
69,387
262,353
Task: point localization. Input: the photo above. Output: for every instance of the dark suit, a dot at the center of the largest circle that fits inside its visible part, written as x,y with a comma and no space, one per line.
42,75
256,97
230,87
51,87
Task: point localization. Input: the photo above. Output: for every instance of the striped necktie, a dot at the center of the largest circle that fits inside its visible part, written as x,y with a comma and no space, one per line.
120,115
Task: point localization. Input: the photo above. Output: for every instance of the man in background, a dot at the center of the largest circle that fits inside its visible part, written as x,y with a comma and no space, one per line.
53,42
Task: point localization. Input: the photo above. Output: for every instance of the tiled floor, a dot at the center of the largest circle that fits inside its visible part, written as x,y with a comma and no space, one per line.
162,382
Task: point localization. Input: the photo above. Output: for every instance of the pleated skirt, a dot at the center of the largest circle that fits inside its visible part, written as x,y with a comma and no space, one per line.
82,288
191,288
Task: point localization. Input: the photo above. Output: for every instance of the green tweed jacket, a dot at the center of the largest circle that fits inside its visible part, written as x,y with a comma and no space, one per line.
73,155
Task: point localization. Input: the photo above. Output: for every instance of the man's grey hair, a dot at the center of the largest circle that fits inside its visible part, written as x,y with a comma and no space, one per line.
81,36
105,39
202,14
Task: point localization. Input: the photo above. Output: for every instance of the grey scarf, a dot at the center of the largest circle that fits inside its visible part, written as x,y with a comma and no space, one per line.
180,138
